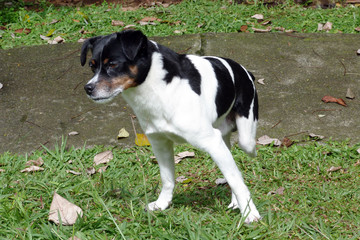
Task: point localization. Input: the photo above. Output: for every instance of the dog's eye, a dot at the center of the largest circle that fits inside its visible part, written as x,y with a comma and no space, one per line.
112,65
92,65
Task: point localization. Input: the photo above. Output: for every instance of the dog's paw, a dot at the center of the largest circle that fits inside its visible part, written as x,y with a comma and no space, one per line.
157,205
253,216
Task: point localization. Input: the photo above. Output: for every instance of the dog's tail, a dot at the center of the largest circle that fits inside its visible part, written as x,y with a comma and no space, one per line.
246,109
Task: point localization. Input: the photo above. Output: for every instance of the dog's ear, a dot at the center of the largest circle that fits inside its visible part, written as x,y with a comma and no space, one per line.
133,43
88,44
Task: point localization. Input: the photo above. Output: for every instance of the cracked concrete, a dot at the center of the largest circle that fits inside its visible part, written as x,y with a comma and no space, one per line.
43,97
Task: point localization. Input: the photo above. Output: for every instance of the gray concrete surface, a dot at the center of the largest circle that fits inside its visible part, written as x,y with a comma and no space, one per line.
43,99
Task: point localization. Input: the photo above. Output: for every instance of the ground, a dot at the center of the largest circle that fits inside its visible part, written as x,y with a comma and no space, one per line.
129,3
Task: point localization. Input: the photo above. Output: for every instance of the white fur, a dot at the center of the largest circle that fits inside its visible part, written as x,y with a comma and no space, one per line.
173,112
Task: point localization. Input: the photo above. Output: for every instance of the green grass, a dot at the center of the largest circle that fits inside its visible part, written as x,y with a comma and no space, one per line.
187,17
316,204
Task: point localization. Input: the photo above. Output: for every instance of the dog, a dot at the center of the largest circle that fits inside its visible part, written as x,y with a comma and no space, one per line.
179,98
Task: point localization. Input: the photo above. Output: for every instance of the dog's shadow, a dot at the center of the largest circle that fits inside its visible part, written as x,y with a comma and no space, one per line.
206,197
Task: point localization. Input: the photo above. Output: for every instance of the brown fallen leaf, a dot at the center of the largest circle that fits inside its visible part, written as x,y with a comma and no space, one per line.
243,28
357,163
2,170
331,99
23,30
358,150
67,211
38,162
279,191
32,169
103,157
334,169
286,142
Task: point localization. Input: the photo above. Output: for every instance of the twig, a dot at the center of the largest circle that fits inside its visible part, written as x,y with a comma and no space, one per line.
276,124
325,110
76,116
343,66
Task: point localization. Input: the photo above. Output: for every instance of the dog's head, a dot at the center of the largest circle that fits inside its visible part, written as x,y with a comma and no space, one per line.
119,61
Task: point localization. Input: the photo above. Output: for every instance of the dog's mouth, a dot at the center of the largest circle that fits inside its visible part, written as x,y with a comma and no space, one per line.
104,99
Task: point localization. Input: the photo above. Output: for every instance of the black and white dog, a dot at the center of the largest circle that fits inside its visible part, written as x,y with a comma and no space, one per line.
179,98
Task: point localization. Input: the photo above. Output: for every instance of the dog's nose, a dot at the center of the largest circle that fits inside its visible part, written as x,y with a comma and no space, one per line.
89,88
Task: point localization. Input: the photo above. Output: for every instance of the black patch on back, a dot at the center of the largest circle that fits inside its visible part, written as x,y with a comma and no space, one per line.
226,92
178,65
245,92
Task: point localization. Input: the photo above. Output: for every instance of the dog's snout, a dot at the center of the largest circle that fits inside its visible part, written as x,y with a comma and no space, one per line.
89,88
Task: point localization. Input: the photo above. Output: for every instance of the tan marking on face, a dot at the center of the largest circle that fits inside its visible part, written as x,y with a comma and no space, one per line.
133,69
93,62
106,60
124,81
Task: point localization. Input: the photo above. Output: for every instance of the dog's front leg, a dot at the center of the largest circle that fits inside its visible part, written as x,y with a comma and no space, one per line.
164,153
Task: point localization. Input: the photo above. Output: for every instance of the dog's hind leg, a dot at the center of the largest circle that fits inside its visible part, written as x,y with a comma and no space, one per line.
213,143
164,153
247,133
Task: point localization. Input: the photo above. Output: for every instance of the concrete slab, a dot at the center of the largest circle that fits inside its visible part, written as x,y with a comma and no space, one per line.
42,97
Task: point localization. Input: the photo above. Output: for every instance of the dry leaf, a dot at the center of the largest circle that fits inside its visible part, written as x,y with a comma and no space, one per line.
355,164
331,99
286,142
358,52
261,30
220,181
258,16
243,28
266,140
38,162
123,133
350,94
74,238
90,171
280,29
313,135
357,29
67,211
44,37
183,155
56,40
261,81
32,169
358,150
333,169
183,179
2,170
141,140
103,157
73,172
73,133
1,85
279,191
266,22
327,26
117,23
23,30
102,169
129,26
